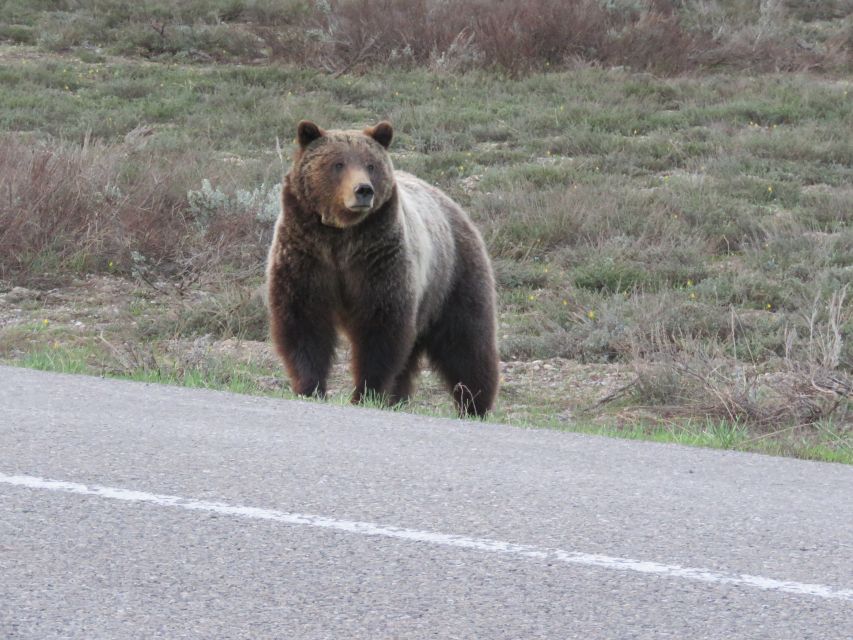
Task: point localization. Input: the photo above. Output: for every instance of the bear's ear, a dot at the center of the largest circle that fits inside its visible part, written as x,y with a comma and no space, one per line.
382,133
307,132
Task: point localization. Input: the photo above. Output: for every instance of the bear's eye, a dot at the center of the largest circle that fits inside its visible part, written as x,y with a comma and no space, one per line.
339,166
370,168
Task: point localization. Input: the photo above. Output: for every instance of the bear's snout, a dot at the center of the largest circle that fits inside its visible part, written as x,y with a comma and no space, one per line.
363,195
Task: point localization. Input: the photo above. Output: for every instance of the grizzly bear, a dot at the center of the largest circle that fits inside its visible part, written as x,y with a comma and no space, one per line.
386,259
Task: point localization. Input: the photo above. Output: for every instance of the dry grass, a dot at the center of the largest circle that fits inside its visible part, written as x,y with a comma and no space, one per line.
517,37
114,208
681,377
353,35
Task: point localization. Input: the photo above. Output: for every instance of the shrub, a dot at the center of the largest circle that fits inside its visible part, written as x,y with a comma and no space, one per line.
229,311
17,33
453,35
113,208
610,275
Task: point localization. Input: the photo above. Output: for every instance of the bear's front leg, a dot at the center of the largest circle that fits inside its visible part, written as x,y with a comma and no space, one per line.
381,349
306,343
303,331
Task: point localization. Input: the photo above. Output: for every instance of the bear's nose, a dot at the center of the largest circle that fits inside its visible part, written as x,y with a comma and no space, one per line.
364,191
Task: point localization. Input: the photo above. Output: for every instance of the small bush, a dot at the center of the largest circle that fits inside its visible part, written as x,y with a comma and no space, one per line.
229,312
208,203
811,10
610,275
511,274
112,208
517,36
17,33
61,31
198,43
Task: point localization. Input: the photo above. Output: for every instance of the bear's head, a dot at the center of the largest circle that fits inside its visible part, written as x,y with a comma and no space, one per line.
342,176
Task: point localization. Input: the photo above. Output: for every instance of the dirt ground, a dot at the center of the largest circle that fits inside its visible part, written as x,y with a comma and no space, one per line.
105,320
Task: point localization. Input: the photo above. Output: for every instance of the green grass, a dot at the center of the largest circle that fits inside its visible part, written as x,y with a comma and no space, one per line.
833,446
223,375
66,360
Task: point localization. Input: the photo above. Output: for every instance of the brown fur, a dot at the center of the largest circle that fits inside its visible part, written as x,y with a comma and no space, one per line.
402,275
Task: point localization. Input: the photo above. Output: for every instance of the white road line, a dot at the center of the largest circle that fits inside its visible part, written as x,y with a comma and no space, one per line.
442,539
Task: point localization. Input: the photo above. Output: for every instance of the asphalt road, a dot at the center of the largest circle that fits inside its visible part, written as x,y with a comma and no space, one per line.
130,510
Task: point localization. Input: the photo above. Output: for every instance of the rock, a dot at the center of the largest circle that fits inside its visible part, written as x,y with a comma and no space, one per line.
20,294
269,383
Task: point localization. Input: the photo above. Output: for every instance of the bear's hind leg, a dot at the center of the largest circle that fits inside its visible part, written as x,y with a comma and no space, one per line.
465,356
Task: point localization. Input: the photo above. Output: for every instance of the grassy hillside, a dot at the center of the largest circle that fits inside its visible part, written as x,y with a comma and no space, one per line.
689,233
